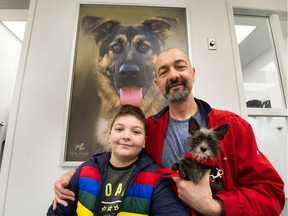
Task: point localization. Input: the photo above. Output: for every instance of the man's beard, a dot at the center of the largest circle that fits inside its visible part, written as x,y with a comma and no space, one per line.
177,96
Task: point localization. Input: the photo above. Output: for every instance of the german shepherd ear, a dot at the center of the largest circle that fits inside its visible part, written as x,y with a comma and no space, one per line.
97,27
221,131
161,26
193,126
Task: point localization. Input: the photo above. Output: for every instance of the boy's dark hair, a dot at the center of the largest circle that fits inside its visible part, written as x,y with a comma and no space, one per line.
131,110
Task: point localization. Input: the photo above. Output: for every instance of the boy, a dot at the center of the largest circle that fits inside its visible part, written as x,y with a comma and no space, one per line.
123,181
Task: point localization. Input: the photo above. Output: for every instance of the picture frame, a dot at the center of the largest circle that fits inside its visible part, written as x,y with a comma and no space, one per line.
130,36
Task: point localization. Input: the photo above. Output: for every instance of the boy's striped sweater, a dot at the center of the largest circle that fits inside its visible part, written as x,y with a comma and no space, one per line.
136,201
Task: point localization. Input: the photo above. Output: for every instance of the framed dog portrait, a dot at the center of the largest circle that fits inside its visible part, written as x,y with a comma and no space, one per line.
113,64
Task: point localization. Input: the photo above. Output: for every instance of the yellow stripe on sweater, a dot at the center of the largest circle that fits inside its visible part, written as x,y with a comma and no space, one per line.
83,211
130,214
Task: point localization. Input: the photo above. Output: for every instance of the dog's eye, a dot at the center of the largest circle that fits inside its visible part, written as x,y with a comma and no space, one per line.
144,47
211,142
115,47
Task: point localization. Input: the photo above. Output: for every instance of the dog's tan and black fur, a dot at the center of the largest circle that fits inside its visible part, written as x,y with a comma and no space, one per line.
124,69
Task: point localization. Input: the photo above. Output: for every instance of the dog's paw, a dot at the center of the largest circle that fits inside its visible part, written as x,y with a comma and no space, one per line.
175,167
180,169
183,169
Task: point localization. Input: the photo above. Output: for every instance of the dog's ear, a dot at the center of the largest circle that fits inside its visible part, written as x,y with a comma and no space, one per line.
221,131
97,27
193,126
161,26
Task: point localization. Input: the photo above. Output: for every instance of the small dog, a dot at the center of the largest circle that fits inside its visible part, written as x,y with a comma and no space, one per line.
205,148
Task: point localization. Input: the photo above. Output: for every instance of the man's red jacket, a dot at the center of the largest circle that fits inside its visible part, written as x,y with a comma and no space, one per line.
252,185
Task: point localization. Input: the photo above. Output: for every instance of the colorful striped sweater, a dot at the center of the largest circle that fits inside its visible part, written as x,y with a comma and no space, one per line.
137,199
145,194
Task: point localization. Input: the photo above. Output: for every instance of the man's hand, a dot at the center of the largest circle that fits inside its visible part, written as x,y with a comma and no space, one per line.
199,196
61,193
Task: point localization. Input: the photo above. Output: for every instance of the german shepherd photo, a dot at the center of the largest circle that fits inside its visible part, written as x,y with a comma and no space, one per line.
123,73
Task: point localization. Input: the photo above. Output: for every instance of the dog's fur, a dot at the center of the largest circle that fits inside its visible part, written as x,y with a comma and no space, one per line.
205,145
124,69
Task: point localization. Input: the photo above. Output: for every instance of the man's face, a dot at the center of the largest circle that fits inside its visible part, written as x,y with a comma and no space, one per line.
174,75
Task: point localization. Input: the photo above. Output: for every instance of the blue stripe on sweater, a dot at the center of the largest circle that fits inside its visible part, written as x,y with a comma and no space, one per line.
90,185
140,191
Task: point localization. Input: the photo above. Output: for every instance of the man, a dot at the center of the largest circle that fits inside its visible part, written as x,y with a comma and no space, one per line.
252,186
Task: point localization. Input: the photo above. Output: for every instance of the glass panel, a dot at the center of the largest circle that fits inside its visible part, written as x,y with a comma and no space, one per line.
271,135
16,27
262,81
10,48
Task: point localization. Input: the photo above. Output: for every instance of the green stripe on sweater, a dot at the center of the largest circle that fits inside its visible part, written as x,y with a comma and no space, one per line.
87,199
137,205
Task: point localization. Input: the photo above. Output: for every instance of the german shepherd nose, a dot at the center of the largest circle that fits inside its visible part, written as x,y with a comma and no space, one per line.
129,70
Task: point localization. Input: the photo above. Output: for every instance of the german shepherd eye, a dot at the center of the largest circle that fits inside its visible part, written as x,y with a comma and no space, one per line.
116,48
144,47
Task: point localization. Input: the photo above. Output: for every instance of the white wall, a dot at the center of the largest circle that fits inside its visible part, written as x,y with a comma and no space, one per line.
36,132
215,70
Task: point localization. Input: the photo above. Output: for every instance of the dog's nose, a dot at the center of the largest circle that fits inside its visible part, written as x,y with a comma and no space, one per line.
203,149
129,70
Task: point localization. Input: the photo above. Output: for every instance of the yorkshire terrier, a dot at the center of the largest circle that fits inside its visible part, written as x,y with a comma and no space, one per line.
205,148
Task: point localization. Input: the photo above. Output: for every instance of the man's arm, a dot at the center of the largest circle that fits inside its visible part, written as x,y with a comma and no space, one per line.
61,193
252,185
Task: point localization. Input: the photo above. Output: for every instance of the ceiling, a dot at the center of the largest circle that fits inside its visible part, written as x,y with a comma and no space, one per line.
256,38
14,4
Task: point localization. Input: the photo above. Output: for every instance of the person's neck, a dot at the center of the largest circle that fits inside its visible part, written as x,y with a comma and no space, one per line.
121,163
183,110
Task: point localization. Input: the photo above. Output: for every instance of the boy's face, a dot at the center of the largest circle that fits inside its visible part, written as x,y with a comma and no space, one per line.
127,138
